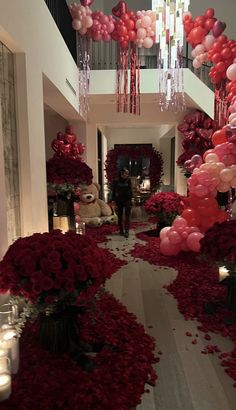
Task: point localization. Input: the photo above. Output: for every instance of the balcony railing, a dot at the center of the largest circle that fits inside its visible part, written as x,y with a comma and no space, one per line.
103,56
61,15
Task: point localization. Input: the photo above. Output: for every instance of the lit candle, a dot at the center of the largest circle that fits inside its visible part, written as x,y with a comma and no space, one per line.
4,352
9,340
5,386
223,273
4,365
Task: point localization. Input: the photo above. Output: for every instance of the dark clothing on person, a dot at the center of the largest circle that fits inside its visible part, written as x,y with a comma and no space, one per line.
121,195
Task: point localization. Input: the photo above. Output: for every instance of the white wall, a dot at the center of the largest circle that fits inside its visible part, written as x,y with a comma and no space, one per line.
132,136
28,29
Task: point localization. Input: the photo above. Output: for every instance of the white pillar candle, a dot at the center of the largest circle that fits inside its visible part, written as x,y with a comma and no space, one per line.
5,386
9,340
4,364
223,273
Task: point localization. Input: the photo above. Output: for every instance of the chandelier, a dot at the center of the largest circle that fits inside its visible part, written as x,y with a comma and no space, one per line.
170,38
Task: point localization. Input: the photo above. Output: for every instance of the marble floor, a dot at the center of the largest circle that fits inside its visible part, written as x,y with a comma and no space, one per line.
187,379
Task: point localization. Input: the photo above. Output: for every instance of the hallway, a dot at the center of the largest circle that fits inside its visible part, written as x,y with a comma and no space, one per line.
187,379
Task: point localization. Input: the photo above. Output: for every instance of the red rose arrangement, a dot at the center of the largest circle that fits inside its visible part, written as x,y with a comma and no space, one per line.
135,153
54,268
219,243
165,206
68,171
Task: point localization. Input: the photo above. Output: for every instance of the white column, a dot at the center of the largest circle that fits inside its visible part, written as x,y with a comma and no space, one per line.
31,140
3,203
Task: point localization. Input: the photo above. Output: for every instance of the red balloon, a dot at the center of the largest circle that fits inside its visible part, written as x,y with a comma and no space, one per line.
219,137
132,35
200,21
216,46
197,35
216,58
226,53
221,67
124,44
209,23
130,24
222,39
125,17
119,9
191,216
209,13
233,51
122,30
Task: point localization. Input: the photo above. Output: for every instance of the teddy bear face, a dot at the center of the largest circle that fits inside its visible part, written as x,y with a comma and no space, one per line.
88,193
87,197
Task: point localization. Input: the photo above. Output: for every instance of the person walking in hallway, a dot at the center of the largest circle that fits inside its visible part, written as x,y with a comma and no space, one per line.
121,196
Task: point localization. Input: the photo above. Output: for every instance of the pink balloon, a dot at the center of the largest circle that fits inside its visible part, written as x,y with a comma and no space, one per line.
200,191
231,72
179,222
168,249
228,159
110,27
226,175
193,241
146,21
106,37
211,158
196,63
184,247
87,21
76,24
164,231
174,237
231,117
141,33
199,49
208,41
147,42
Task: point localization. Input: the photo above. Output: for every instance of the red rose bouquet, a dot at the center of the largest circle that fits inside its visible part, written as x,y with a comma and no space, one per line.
165,206
65,174
54,269
219,243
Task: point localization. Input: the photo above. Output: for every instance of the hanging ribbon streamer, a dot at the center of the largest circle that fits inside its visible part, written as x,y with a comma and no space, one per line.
170,37
83,52
221,105
134,80
128,101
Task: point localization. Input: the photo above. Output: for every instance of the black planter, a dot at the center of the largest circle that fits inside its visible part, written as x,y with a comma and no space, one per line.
156,232
59,332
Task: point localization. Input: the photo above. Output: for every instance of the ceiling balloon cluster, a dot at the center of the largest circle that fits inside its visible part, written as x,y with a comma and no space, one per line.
163,25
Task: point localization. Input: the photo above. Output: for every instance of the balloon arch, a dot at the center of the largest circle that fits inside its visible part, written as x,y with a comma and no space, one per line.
217,173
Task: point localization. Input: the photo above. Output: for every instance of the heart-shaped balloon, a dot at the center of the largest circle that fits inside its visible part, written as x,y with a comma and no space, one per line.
194,162
65,149
86,2
55,145
70,139
183,127
60,136
218,28
119,9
